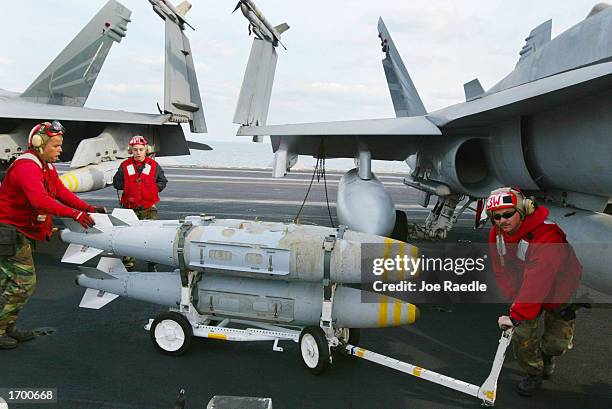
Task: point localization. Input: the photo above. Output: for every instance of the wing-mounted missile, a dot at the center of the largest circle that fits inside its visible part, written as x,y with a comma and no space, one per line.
165,9
182,101
259,25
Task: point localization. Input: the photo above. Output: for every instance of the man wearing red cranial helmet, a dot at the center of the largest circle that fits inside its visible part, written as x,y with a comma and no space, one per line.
538,271
141,179
30,194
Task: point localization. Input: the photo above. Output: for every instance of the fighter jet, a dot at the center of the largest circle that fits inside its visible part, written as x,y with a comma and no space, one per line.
544,128
96,140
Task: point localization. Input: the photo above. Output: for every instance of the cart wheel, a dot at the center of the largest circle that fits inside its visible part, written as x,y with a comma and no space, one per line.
171,333
314,349
350,335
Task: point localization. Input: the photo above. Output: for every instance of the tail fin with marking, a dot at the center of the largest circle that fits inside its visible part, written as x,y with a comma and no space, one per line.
406,99
69,78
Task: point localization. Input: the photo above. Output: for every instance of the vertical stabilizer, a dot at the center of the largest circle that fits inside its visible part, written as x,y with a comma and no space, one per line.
254,99
68,80
406,99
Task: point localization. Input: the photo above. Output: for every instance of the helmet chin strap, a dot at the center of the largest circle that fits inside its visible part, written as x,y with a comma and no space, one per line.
500,244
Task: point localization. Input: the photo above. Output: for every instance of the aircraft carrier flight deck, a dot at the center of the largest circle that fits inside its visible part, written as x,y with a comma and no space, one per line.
105,359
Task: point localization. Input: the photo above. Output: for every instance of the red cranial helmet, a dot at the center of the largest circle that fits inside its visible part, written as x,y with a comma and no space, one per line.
509,198
138,140
42,132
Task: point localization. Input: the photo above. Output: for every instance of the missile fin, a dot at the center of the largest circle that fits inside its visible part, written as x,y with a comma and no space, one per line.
126,215
183,8
79,254
95,273
96,299
281,28
102,220
75,226
111,265
117,221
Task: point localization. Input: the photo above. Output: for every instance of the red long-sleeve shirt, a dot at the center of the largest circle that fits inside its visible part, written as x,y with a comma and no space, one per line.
539,270
29,196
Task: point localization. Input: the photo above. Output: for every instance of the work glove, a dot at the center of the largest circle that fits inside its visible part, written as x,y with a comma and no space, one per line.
505,322
83,218
97,209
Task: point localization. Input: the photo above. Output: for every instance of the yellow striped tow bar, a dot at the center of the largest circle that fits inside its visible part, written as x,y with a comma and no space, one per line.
486,392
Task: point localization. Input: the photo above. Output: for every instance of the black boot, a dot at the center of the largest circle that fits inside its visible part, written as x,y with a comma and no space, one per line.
529,385
7,342
549,366
20,336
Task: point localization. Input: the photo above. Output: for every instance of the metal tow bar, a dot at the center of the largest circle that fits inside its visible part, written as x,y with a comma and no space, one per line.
486,392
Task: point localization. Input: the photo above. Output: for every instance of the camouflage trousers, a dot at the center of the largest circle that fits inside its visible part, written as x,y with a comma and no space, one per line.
143,214
529,346
17,282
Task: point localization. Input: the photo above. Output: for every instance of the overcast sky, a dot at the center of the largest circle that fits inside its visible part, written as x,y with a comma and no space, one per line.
331,70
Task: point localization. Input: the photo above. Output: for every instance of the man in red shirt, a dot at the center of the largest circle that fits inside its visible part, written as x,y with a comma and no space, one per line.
30,194
141,179
538,271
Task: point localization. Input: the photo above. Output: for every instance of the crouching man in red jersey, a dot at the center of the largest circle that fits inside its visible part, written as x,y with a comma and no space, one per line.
537,269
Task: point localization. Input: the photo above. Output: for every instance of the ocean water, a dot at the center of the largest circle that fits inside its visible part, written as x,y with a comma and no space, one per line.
259,155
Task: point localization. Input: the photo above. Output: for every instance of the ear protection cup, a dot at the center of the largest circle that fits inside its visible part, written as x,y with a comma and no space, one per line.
37,141
150,150
530,206
525,205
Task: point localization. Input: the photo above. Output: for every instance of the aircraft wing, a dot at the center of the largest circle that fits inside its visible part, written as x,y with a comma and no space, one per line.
343,138
16,109
386,139
418,125
527,98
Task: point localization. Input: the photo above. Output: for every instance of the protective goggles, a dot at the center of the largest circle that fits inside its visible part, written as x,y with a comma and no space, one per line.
54,129
505,215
